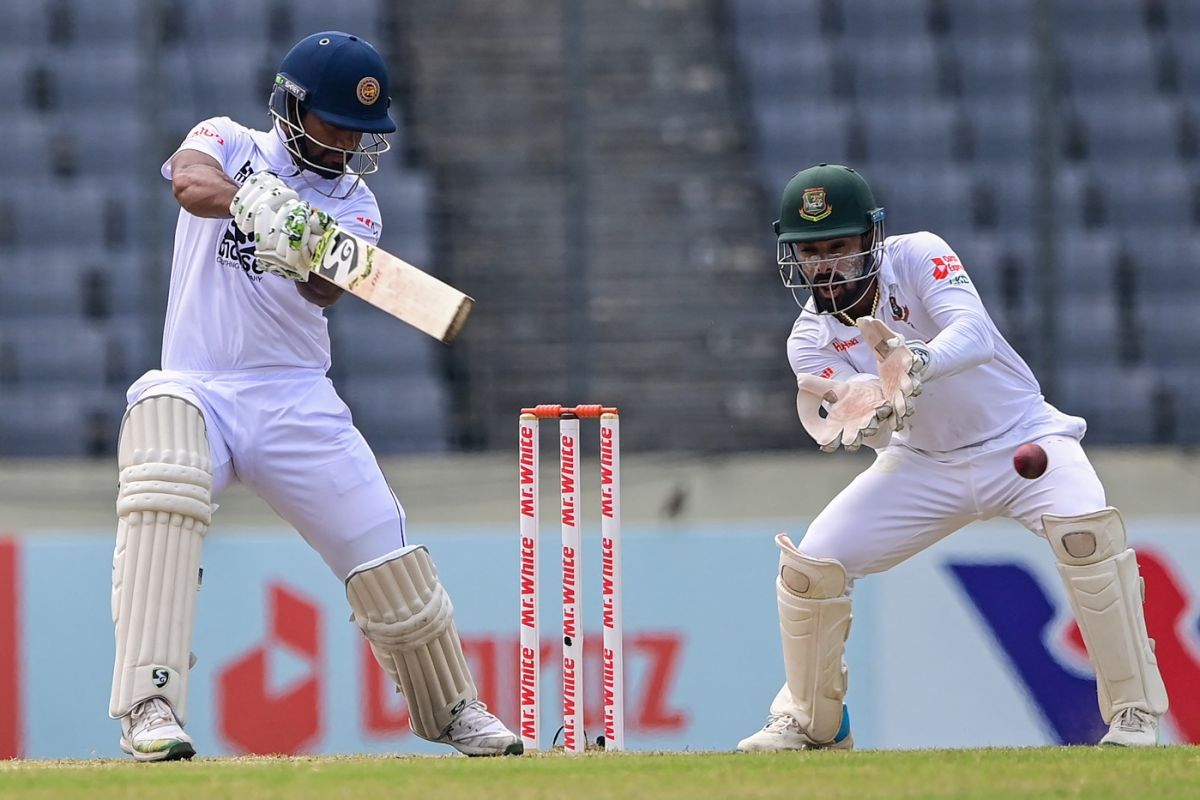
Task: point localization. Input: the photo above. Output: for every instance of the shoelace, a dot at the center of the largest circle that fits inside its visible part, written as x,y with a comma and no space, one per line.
477,721
1132,719
153,712
777,723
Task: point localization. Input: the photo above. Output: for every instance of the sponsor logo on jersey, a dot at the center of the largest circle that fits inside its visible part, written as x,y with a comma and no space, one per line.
235,250
368,91
814,205
944,265
203,130
245,172
843,346
827,373
371,224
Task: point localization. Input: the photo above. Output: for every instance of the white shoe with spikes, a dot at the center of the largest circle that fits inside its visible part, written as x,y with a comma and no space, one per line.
1132,727
151,732
476,731
783,732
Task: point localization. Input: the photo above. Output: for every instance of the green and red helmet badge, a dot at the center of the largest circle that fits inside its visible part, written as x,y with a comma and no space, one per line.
814,207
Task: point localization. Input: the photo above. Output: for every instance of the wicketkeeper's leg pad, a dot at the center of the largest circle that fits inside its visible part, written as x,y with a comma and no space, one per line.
164,508
406,615
1101,576
814,623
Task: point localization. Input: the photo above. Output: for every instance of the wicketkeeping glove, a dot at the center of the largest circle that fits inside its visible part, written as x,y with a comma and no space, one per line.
854,410
900,366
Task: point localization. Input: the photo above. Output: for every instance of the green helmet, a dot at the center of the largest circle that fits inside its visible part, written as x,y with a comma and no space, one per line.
829,201
826,202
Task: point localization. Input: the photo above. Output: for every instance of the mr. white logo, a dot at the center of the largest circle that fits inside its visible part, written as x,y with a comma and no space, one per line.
160,676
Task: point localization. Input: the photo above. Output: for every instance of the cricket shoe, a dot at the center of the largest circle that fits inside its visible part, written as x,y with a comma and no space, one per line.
477,732
1132,727
783,732
150,732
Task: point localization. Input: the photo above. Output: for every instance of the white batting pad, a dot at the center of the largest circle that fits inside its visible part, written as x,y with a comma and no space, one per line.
164,508
814,623
1101,576
406,615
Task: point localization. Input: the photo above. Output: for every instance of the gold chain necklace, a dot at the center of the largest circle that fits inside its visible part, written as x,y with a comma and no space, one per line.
874,308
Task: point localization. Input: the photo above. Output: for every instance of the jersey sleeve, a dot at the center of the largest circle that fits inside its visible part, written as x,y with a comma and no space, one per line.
808,358
362,218
950,298
216,137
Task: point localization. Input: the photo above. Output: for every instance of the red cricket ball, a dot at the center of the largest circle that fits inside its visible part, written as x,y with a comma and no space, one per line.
1030,461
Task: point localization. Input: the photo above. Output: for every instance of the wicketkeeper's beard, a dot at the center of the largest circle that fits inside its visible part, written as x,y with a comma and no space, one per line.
838,297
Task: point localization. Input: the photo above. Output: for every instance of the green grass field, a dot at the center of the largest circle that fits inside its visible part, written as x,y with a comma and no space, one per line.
1064,772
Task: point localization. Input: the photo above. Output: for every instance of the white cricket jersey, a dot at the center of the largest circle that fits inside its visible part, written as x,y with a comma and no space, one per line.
976,386
224,312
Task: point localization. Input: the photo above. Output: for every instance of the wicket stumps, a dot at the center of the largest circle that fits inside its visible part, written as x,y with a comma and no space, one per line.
612,673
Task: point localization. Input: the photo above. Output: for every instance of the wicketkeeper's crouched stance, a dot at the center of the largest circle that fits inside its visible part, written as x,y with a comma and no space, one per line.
243,396
943,459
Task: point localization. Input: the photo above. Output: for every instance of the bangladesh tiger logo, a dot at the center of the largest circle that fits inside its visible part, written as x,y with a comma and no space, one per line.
814,205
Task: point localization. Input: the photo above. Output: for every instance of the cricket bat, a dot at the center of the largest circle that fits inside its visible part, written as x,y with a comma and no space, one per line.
390,283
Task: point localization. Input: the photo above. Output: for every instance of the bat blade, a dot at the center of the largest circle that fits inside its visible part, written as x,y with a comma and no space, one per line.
391,284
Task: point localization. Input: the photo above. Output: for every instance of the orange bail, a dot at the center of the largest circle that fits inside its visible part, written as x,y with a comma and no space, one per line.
554,411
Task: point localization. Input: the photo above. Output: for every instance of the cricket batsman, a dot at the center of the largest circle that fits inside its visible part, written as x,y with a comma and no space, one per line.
243,396
894,349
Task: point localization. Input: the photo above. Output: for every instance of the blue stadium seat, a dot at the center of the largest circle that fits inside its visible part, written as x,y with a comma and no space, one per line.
39,421
399,413
1003,132
1082,20
1143,128
903,133
56,351
918,197
1086,263
905,72
1116,63
759,21
57,289
996,71
883,21
793,136
24,27
977,22
77,215
1087,328
371,342
1115,400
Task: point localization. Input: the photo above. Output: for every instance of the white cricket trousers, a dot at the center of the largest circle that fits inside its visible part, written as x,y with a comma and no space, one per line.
286,435
908,500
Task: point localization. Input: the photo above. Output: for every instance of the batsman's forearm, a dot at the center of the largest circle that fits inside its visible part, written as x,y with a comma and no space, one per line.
203,190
